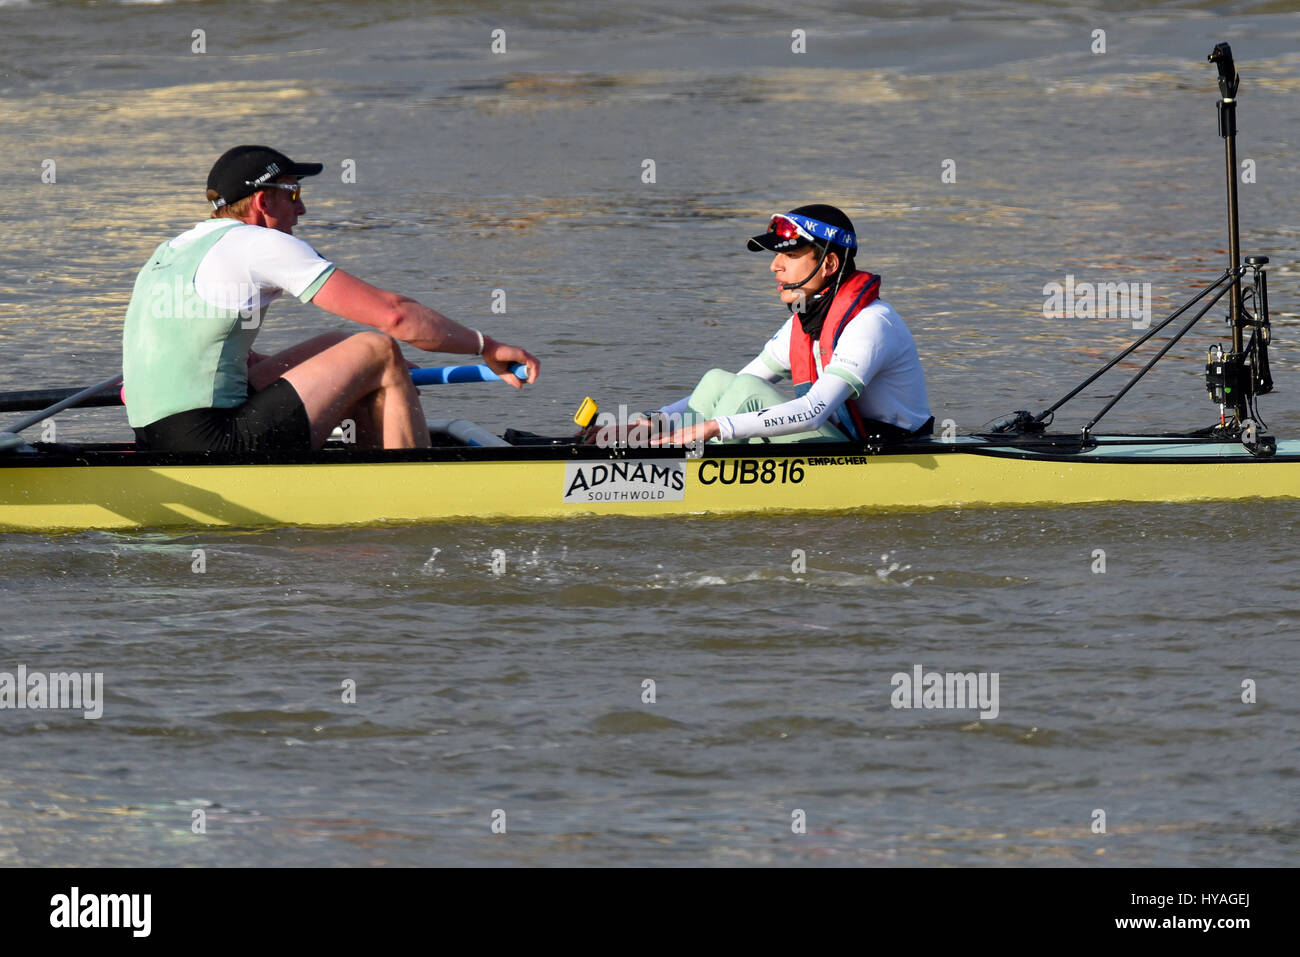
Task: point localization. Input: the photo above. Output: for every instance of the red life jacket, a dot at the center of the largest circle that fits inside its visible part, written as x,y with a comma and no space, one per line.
856,292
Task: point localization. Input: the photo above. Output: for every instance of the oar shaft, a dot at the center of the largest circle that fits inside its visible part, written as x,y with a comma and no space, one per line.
65,403
32,399
40,399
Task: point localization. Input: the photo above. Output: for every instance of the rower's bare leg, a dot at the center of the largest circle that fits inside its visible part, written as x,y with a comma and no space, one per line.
369,413
268,369
364,374
368,434
262,373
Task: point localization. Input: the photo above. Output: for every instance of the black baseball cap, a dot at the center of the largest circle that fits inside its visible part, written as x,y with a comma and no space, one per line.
816,224
243,170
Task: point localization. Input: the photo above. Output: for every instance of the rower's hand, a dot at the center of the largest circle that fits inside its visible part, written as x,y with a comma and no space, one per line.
700,432
500,357
616,436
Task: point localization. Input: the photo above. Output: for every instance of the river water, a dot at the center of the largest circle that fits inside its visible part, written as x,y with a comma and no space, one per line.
518,695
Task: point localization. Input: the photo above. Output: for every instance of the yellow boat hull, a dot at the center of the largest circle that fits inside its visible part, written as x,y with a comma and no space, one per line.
94,493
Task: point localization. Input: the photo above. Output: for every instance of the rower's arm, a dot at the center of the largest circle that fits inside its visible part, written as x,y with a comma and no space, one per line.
409,321
402,318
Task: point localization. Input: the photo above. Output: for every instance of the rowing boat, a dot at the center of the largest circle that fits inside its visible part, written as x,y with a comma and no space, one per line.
114,486
473,474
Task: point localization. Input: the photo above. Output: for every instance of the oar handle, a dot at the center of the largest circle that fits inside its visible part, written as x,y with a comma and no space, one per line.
444,375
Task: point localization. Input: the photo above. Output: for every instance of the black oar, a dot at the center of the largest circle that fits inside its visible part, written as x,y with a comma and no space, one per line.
64,399
32,400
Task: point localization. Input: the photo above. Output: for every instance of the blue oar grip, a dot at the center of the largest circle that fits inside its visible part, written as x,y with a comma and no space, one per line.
442,375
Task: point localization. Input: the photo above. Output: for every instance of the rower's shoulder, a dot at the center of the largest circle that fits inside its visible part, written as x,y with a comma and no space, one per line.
880,311
876,323
198,231
263,242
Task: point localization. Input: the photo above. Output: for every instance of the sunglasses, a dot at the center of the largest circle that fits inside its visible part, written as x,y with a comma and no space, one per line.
293,189
787,228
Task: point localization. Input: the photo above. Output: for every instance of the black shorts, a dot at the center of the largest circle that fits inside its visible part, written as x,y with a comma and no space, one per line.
269,420
892,433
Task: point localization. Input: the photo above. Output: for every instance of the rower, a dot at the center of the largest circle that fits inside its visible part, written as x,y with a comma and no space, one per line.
193,381
856,372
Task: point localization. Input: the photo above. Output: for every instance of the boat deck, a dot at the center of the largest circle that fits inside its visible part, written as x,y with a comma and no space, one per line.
1152,448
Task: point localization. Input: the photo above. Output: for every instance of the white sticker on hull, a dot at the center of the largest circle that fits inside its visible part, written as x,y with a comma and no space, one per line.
628,480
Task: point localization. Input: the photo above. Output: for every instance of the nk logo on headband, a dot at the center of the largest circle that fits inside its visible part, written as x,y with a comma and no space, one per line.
820,230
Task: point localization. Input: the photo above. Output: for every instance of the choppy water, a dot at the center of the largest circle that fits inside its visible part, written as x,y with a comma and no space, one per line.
522,691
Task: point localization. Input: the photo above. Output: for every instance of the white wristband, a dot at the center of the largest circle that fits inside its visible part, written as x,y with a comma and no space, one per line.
480,342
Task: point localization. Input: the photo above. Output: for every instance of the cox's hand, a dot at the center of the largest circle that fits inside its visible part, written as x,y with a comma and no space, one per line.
608,435
700,432
500,357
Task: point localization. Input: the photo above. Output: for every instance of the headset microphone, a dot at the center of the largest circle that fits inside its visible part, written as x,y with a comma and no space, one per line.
788,286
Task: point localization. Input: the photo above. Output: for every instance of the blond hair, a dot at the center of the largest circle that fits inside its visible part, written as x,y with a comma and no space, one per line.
235,210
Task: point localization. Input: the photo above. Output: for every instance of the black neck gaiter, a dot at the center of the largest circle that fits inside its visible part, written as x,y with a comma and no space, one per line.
815,311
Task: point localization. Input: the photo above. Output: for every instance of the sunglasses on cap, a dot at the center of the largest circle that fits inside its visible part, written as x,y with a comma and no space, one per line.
788,227
293,189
